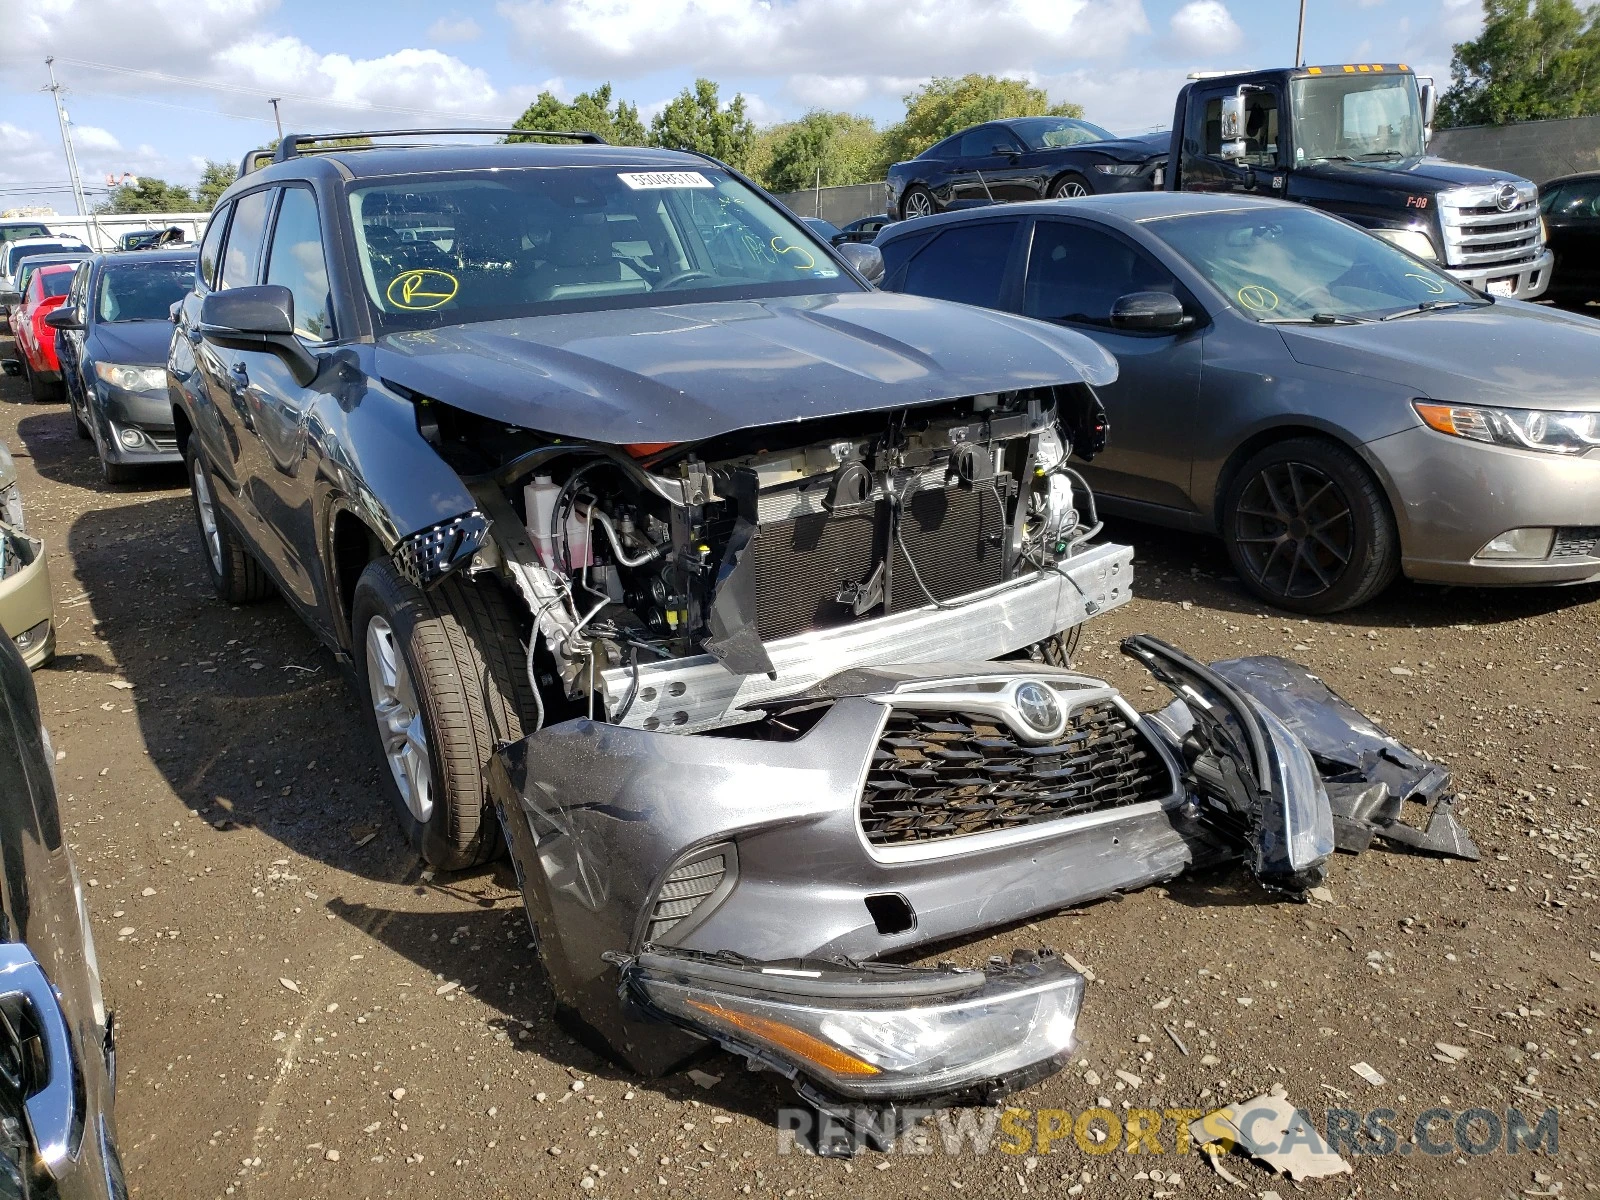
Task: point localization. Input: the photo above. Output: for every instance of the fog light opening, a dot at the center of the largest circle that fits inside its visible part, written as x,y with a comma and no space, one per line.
892,913
131,438
1526,544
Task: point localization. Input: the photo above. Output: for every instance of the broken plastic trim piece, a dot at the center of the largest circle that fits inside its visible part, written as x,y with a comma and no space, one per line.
425,557
1260,773
870,1032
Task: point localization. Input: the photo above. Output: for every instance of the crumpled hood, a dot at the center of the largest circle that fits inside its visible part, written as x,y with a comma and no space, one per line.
686,372
1425,174
132,343
1511,354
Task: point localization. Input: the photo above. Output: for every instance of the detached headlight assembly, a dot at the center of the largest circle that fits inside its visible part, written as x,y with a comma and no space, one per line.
1519,428
1413,241
1119,168
872,1031
132,379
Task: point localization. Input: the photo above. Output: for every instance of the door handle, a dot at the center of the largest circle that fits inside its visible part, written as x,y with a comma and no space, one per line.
52,1110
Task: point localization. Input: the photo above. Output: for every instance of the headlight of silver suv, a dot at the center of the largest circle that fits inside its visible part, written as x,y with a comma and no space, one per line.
1520,428
132,379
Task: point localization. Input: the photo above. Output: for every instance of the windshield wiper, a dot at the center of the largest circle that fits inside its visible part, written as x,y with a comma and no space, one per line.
1395,154
1318,319
1425,306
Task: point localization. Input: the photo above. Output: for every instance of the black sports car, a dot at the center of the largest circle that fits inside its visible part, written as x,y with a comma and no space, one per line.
1025,158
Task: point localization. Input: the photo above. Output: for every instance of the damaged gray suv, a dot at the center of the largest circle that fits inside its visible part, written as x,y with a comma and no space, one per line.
730,595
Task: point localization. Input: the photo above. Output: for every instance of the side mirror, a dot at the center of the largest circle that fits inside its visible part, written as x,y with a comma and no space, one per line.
1429,96
1232,127
866,259
64,317
11,299
1144,311
258,318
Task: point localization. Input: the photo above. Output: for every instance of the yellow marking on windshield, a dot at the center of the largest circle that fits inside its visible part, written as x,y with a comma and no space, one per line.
422,289
1258,298
800,250
1433,285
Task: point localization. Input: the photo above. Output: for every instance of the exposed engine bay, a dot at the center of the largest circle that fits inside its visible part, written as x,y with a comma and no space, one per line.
631,557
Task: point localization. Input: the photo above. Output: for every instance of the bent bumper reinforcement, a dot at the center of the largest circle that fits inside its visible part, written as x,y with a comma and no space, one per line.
689,694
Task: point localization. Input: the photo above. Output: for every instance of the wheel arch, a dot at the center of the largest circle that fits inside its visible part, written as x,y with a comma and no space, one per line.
352,543
1063,173
1272,434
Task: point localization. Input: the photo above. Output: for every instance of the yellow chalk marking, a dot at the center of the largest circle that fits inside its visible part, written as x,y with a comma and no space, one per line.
422,289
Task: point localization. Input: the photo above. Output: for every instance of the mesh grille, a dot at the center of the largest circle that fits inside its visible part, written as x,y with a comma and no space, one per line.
683,892
956,539
949,775
801,565
1577,541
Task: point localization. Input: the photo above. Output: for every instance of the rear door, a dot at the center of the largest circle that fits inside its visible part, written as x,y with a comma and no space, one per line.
1076,271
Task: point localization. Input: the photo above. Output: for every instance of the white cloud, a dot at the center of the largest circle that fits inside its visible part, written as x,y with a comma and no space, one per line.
92,138
163,35
627,38
454,29
1205,27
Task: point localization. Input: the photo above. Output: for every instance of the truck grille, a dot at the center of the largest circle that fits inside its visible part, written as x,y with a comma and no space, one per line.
954,536
1478,233
936,776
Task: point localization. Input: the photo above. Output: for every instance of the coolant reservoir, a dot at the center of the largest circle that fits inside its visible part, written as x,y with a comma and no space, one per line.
540,498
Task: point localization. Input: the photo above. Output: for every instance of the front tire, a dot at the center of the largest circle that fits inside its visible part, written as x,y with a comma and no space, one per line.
440,673
917,202
1308,528
235,574
1070,187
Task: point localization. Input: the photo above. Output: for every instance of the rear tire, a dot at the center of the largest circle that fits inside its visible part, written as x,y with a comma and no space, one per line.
235,574
441,674
1308,527
1070,186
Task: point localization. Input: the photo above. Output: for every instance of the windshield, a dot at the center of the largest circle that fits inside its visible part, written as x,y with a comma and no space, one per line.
1356,117
1296,264
15,233
55,282
486,245
143,291
1046,133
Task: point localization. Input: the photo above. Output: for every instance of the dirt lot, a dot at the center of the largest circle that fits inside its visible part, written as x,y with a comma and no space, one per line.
305,1012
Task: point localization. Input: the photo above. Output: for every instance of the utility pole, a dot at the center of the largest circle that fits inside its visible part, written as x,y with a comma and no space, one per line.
1300,39
279,120
66,140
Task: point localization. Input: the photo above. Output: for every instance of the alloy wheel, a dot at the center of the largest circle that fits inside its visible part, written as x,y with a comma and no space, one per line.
208,514
1295,530
399,717
1071,190
919,204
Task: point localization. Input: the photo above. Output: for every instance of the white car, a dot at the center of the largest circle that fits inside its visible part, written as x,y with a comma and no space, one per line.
11,253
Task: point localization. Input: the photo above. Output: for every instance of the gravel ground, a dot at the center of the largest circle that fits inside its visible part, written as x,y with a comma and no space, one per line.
304,1011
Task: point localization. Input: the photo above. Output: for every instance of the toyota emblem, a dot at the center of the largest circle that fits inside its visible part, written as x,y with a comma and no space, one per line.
1506,198
1038,708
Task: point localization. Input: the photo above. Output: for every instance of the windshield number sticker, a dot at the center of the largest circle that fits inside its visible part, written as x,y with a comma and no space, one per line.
1258,298
420,290
644,181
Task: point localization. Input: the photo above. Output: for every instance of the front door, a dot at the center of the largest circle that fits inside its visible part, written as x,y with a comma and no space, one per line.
1261,171
981,168
1572,213
1076,272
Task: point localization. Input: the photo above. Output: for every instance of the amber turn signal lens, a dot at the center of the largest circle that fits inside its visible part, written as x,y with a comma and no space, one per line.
813,1050
1439,416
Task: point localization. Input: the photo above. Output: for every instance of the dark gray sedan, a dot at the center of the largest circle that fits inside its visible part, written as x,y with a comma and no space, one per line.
1337,410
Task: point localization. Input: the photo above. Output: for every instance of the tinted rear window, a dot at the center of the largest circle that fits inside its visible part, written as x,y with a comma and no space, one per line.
143,291
966,264
56,283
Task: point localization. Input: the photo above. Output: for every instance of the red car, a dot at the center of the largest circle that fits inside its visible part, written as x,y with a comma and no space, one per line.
36,341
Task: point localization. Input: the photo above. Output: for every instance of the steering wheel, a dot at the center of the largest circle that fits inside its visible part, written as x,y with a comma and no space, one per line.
681,277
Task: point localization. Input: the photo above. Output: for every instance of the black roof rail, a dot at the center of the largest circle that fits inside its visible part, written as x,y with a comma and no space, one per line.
290,146
254,160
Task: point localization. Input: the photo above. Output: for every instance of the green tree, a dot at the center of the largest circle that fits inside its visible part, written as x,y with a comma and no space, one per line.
697,120
841,147
944,106
1533,61
148,196
589,112
214,180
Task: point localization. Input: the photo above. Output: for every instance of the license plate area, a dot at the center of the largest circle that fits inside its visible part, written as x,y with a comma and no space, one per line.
1502,287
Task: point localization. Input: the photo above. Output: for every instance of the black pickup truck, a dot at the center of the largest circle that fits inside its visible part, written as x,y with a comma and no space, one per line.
1351,139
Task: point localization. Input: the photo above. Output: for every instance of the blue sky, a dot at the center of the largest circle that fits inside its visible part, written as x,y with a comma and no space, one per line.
157,86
